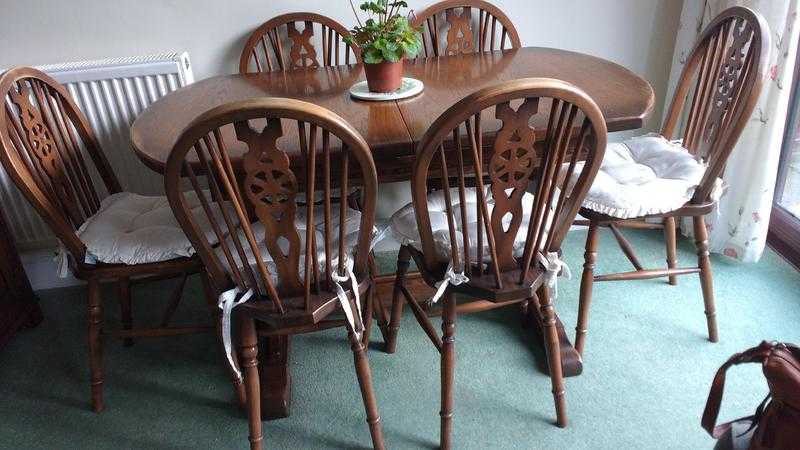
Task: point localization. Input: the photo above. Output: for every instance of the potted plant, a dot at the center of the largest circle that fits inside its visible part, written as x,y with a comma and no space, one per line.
385,38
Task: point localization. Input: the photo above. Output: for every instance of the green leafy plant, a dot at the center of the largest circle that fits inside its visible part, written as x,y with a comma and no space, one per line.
385,35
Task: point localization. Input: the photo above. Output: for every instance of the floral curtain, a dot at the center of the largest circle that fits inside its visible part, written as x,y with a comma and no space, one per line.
738,228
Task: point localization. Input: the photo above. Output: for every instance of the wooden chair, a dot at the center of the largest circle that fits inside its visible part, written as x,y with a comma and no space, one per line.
503,261
494,29
51,153
722,80
294,270
266,48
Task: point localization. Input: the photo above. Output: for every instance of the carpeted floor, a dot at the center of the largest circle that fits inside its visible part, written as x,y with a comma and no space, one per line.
647,371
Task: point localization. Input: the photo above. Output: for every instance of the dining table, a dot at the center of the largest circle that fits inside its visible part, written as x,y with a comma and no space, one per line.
392,129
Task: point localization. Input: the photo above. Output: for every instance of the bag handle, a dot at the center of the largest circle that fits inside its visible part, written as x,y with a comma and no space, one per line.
753,355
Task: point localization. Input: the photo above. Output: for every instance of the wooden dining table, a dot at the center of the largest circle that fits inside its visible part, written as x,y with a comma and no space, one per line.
392,129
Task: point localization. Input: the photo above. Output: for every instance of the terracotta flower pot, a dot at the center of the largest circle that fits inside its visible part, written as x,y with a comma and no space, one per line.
385,76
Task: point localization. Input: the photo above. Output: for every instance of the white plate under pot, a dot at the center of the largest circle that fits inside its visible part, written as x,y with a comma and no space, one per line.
409,87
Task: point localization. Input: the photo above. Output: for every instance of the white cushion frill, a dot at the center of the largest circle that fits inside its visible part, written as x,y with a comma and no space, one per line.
644,175
135,229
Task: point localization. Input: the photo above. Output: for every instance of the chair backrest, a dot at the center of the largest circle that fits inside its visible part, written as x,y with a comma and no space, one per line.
285,43
452,27
722,80
519,157
292,147
45,140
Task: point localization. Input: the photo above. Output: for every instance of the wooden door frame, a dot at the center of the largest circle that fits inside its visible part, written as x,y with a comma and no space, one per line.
784,228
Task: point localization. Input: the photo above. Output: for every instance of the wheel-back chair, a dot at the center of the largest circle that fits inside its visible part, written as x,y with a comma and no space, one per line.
54,158
517,214
299,261
279,45
453,27
720,83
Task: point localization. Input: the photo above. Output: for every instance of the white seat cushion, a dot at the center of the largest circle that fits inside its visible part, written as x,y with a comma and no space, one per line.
134,229
404,223
644,175
352,225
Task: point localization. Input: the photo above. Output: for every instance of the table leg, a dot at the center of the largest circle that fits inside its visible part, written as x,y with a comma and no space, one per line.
571,363
276,379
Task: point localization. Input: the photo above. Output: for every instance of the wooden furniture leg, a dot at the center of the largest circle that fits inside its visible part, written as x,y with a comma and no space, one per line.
403,262
95,318
448,360
124,286
368,304
670,237
706,282
587,280
216,314
367,394
553,355
380,311
249,354
571,361
19,306
276,379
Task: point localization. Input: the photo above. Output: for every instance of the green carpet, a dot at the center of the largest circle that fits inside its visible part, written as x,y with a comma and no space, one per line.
647,371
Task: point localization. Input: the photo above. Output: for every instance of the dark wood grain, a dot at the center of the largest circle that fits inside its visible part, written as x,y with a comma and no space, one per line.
19,306
508,168
715,96
279,45
453,27
392,129
287,296
624,98
156,130
49,150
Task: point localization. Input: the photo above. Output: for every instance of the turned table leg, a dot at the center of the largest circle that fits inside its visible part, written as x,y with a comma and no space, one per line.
276,379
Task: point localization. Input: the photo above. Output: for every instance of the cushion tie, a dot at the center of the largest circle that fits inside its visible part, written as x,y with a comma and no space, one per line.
553,266
226,302
358,327
62,260
450,277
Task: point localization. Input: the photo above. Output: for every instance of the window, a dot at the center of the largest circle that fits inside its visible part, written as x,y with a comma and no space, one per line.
784,228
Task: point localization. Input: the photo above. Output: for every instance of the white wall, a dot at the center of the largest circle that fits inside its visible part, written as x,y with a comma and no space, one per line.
638,34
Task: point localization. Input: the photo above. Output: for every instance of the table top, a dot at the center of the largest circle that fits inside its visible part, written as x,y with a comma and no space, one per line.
393,128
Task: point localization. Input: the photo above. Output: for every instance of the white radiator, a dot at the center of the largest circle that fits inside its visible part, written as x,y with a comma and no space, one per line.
111,93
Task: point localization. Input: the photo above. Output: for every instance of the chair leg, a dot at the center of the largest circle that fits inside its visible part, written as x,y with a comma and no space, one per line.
379,311
587,280
368,306
553,350
704,262
364,376
216,314
249,353
403,261
124,285
95,316
448,359
670,236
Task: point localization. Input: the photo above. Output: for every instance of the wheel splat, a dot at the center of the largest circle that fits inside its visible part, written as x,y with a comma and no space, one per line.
513,160
271,187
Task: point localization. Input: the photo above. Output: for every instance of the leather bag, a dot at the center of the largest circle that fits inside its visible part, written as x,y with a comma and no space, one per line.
776,422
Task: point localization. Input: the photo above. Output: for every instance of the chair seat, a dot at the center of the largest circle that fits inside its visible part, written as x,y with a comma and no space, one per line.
320,306
642,176
135,229
352,225
404,223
